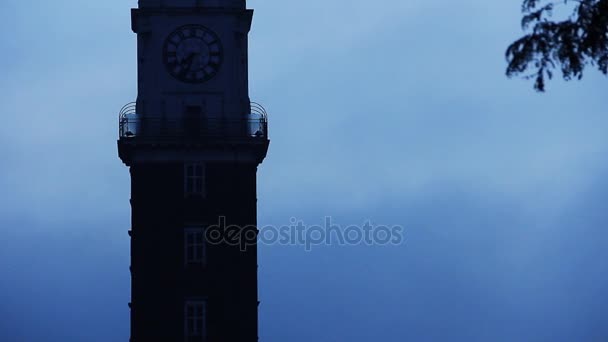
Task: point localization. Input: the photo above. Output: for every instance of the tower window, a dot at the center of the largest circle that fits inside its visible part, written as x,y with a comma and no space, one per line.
194,246
195,321
194,179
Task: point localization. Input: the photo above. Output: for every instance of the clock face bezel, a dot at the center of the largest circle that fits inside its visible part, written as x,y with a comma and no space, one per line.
212,45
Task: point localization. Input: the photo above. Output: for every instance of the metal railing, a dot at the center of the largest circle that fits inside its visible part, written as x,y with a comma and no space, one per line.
257,109
132,126
127,121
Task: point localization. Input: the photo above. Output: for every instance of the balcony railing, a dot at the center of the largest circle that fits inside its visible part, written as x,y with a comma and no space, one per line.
132,126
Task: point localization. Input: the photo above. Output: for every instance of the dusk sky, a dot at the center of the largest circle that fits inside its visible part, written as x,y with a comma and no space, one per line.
392,111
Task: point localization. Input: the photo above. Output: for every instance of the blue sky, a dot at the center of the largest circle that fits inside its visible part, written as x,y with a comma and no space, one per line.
392,111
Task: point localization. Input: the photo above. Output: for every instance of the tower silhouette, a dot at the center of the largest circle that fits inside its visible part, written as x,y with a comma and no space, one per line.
193,142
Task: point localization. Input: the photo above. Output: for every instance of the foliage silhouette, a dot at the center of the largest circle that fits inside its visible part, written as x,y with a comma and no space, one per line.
569,45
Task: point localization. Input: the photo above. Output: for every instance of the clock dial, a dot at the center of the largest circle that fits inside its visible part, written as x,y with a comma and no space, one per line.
192,54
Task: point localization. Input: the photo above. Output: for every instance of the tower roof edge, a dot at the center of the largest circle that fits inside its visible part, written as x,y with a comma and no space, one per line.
241,4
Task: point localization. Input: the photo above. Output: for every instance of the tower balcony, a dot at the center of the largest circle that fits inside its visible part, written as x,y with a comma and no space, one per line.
160,134
133,126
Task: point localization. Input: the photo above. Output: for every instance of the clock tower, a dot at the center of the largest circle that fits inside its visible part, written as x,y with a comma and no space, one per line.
193,141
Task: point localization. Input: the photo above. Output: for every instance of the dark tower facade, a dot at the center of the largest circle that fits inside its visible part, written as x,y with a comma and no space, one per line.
193,142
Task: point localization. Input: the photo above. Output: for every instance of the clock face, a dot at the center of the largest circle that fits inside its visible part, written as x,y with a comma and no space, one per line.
192,54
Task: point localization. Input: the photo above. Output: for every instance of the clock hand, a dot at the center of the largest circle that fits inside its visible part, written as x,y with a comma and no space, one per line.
189,60
186,64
